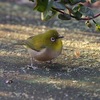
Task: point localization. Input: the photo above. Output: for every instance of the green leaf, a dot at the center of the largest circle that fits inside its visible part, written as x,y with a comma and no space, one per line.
75,9
64,17
41,5
76,12
86,11
97,27
77,15
65,1
83,10
73,2
48,13
31,0
92,1
59,5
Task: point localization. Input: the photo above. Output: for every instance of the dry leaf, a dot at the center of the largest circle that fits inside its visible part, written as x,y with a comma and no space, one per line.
77,53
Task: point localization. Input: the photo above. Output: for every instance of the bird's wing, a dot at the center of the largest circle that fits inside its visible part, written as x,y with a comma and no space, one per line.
35,44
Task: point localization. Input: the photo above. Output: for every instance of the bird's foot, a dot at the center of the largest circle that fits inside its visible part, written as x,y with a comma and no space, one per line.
32,67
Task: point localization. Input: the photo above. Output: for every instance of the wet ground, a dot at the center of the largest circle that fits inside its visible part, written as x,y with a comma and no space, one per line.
74,75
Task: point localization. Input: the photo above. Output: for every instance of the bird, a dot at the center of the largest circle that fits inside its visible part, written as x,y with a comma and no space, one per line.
44,47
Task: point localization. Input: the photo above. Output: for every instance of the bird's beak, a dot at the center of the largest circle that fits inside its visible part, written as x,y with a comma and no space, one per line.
61,37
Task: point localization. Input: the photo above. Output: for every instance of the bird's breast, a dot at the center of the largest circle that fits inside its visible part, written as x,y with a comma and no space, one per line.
44,55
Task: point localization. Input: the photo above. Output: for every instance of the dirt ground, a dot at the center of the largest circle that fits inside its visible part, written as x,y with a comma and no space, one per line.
74,75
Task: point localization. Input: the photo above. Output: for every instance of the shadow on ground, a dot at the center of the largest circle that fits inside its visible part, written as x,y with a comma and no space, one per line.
49,81
77,78
43,91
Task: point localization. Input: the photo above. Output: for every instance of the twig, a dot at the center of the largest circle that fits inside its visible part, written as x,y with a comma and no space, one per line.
58,10
85,18
94,21
88,18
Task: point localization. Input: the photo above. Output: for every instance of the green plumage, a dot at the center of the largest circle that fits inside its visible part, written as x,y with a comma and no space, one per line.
38,42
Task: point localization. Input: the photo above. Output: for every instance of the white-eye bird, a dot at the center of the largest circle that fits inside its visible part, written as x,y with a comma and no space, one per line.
44,47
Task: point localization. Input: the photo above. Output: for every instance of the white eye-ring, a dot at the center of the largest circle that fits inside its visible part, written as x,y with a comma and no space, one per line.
53,39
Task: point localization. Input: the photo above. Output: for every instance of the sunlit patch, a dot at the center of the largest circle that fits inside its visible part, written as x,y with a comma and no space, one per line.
81,45
9,53
12,94
5,94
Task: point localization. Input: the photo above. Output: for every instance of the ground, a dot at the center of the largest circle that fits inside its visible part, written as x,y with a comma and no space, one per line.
74,75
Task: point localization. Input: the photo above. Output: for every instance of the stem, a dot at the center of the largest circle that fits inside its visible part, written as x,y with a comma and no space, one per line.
85,18
94,21
58,10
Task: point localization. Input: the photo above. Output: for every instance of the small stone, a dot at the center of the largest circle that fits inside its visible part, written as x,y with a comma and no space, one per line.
74,81
31,67
9,81
18,54
66,58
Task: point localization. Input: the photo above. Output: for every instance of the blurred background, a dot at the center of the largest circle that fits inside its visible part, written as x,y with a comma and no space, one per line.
21,12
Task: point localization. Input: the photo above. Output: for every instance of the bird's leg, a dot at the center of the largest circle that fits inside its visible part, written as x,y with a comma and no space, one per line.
31,60
33,63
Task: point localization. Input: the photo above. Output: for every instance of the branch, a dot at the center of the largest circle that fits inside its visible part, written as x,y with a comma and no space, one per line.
58,10
88,18
85,18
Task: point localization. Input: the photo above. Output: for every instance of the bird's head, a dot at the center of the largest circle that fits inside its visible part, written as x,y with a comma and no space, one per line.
53,39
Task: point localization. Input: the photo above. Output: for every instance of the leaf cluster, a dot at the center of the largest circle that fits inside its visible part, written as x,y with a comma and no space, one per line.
64,9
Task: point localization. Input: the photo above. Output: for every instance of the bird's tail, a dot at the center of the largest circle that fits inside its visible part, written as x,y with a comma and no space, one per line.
19,42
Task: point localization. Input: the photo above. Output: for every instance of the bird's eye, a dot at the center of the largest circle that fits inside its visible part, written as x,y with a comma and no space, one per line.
53,39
